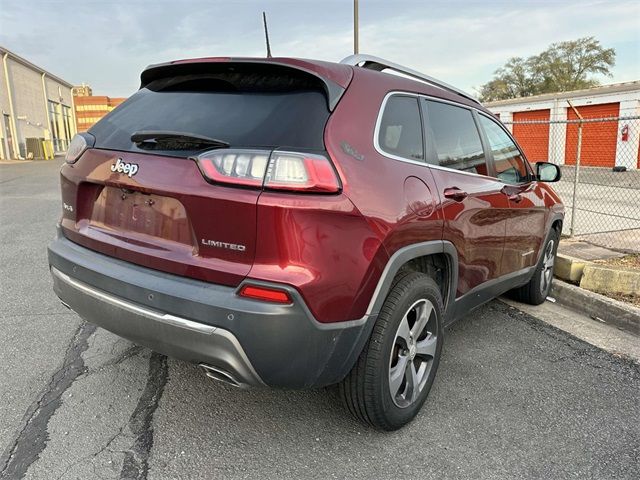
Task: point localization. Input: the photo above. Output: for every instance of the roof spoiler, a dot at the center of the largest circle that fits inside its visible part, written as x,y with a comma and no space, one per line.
332,89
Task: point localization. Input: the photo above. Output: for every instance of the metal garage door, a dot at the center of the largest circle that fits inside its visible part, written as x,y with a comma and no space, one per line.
598,138
533,137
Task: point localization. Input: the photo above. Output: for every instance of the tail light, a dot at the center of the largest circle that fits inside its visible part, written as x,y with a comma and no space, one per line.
237,167
79,143
277,170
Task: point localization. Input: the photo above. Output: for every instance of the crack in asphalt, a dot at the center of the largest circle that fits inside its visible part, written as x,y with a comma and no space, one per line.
136,460
32,438
2,182
132,351
94,454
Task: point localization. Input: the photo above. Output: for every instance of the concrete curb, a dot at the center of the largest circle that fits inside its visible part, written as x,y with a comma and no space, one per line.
596,306
569,268
610,279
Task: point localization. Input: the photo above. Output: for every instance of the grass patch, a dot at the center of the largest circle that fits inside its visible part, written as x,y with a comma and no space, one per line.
629,261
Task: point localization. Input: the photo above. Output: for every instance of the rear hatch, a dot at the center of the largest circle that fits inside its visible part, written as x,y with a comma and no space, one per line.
150,201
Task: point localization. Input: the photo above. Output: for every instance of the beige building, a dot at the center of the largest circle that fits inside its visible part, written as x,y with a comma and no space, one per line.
83,90
37,109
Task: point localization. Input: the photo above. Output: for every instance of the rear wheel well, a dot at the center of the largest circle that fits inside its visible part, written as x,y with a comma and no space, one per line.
437,266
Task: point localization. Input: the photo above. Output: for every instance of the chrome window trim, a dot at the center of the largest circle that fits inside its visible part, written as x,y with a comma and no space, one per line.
376,144
416,162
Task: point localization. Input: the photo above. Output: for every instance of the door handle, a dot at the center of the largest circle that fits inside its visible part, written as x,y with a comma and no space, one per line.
454,193
512,193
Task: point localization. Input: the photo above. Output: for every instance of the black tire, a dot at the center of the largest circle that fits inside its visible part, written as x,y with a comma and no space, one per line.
536,290
366,391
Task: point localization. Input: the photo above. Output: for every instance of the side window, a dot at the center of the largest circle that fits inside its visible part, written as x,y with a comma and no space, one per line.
509,164
400,130
456,138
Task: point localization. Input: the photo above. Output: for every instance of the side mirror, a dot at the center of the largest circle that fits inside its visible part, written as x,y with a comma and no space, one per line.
548,172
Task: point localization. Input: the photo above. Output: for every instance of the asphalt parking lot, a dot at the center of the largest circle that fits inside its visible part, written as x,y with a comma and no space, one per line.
514,397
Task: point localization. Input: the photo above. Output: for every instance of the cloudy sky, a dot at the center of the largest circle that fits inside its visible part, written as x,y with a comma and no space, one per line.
107,43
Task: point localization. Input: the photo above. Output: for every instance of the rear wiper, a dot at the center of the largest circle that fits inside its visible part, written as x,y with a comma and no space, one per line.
166,139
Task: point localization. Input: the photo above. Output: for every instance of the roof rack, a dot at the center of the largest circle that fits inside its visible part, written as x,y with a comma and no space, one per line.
380,64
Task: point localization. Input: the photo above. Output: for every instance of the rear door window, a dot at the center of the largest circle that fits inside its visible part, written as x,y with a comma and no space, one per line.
456,139
400,130
281,117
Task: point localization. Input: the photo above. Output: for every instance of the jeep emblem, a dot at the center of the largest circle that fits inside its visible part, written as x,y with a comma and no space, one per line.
129,169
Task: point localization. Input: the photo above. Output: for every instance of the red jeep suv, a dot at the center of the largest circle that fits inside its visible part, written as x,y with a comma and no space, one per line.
297,223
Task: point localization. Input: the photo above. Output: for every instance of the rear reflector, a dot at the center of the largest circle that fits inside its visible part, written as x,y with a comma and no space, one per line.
277,170
266,294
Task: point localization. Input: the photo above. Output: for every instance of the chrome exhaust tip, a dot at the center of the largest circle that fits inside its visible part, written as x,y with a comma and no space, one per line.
220,375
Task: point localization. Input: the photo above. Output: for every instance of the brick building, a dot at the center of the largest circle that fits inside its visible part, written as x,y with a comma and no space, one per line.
91,108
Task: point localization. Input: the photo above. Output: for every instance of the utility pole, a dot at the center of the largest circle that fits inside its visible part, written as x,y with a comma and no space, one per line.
266,34
355,27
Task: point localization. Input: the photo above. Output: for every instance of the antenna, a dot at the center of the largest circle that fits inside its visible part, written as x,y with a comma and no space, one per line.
266,34
356,33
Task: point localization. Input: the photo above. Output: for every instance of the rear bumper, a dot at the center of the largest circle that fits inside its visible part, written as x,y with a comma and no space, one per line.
174,336
254,343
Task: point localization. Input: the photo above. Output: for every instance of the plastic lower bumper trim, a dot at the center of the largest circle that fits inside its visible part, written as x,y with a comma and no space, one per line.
168,334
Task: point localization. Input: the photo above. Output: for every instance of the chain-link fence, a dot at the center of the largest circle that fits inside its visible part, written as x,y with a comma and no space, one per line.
600,163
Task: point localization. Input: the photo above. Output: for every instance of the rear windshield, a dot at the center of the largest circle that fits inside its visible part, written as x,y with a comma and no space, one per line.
292,118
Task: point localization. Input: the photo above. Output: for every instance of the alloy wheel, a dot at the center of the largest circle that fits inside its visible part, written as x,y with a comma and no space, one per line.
547,267
413,351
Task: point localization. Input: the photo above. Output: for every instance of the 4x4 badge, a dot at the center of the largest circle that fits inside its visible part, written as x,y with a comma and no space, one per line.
349,150
129,169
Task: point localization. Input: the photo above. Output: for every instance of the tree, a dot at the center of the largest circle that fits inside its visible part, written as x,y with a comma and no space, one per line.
562,67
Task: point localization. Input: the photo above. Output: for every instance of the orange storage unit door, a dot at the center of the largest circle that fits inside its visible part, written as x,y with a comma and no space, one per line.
599,139
533,137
